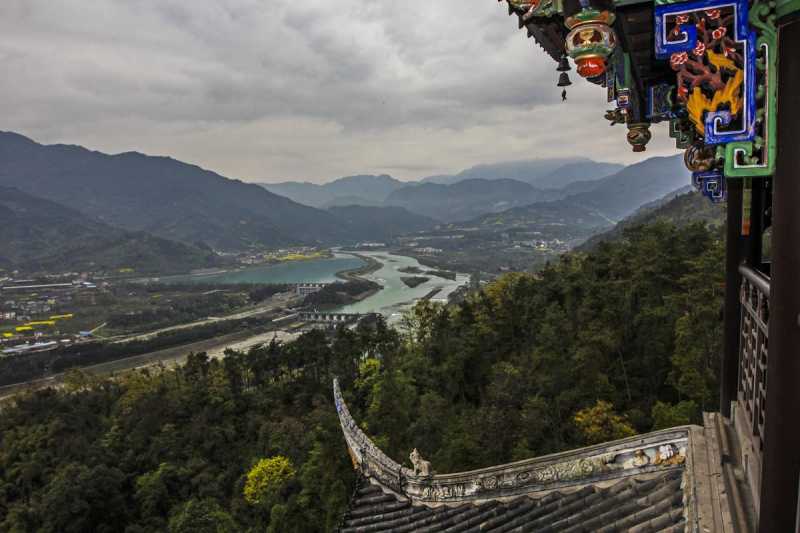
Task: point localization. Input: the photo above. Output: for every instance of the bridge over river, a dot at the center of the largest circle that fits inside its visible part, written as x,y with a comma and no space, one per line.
332,318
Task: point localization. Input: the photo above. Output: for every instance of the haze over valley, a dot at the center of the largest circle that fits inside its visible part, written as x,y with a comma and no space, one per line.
111,199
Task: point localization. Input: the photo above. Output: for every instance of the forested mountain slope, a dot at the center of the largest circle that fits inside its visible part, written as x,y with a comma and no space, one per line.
621,194
607,200
160,195
40,235
597,346
681,210
379,223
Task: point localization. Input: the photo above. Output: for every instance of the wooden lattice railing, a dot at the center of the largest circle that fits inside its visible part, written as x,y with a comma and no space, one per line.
754,350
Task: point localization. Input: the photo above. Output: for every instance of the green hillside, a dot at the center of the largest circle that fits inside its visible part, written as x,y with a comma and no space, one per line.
681,210
40,235
160,195
379,223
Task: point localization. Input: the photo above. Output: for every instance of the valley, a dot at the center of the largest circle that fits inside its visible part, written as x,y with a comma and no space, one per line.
149,255
116,327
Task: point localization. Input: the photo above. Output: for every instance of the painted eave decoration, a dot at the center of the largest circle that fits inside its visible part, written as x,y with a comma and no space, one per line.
708,67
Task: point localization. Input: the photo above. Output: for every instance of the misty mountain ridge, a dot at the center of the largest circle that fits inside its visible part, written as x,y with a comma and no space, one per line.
350,190
552,173
166,199
621,194
160,195
466,199
374,190
611,199
171,199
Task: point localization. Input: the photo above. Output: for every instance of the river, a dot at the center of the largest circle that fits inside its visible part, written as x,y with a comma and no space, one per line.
396,296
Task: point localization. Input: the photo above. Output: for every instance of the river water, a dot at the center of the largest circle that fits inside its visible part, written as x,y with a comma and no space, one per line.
395,297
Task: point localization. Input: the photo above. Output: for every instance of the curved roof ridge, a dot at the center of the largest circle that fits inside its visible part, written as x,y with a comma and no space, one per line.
642,454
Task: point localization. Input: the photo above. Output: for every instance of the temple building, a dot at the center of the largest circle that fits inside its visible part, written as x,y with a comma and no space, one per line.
725,76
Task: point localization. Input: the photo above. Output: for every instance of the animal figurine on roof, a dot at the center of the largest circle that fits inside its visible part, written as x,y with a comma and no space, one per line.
421,466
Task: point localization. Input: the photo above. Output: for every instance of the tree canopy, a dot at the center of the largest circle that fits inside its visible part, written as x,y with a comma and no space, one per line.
595,346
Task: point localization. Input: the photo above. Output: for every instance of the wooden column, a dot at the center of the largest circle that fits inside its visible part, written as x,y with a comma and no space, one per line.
781,469
755,244
734,254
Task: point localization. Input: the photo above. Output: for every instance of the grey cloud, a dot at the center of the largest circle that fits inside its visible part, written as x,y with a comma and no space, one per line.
274,89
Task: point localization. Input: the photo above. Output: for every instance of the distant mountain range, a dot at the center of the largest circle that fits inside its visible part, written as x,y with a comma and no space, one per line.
175,200
600,204
541,173
471,193
526,237
621,194
69,202
160,195
466,199
351,190
613,197
40,235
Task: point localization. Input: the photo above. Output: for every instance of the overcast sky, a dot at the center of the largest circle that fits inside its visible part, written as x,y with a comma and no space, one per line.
272,90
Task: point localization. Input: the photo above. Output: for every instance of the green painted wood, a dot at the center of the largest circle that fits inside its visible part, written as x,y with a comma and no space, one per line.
787,7
631,2
762,18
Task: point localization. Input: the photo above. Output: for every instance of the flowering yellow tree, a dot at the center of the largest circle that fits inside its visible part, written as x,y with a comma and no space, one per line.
267,478
600,423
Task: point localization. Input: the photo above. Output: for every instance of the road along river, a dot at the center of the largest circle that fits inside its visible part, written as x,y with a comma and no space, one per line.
395,298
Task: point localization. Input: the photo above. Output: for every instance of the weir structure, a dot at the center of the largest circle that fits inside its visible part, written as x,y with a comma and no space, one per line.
725,76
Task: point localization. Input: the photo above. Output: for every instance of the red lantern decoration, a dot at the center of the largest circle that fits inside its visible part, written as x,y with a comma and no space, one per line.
590,41
591,66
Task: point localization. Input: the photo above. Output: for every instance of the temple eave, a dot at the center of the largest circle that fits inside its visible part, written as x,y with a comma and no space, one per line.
666,478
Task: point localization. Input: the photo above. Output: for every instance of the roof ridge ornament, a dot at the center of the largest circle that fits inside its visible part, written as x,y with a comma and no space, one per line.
654,452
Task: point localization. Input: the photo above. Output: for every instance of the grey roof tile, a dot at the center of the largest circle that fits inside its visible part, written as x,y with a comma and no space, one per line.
652,504
657,482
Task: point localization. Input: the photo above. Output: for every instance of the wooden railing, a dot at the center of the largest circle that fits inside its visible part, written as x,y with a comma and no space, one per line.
754,351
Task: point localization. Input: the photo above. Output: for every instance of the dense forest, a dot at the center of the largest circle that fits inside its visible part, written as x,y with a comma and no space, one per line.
598,345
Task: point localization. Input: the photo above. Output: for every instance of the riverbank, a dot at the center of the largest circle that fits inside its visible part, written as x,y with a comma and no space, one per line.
357,274
414,281
283,273
397,297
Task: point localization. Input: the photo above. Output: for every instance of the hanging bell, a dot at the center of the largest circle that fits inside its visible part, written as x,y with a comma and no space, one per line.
563,80
563,64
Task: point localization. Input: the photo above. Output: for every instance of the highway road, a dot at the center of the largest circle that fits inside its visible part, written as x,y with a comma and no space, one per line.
169,357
